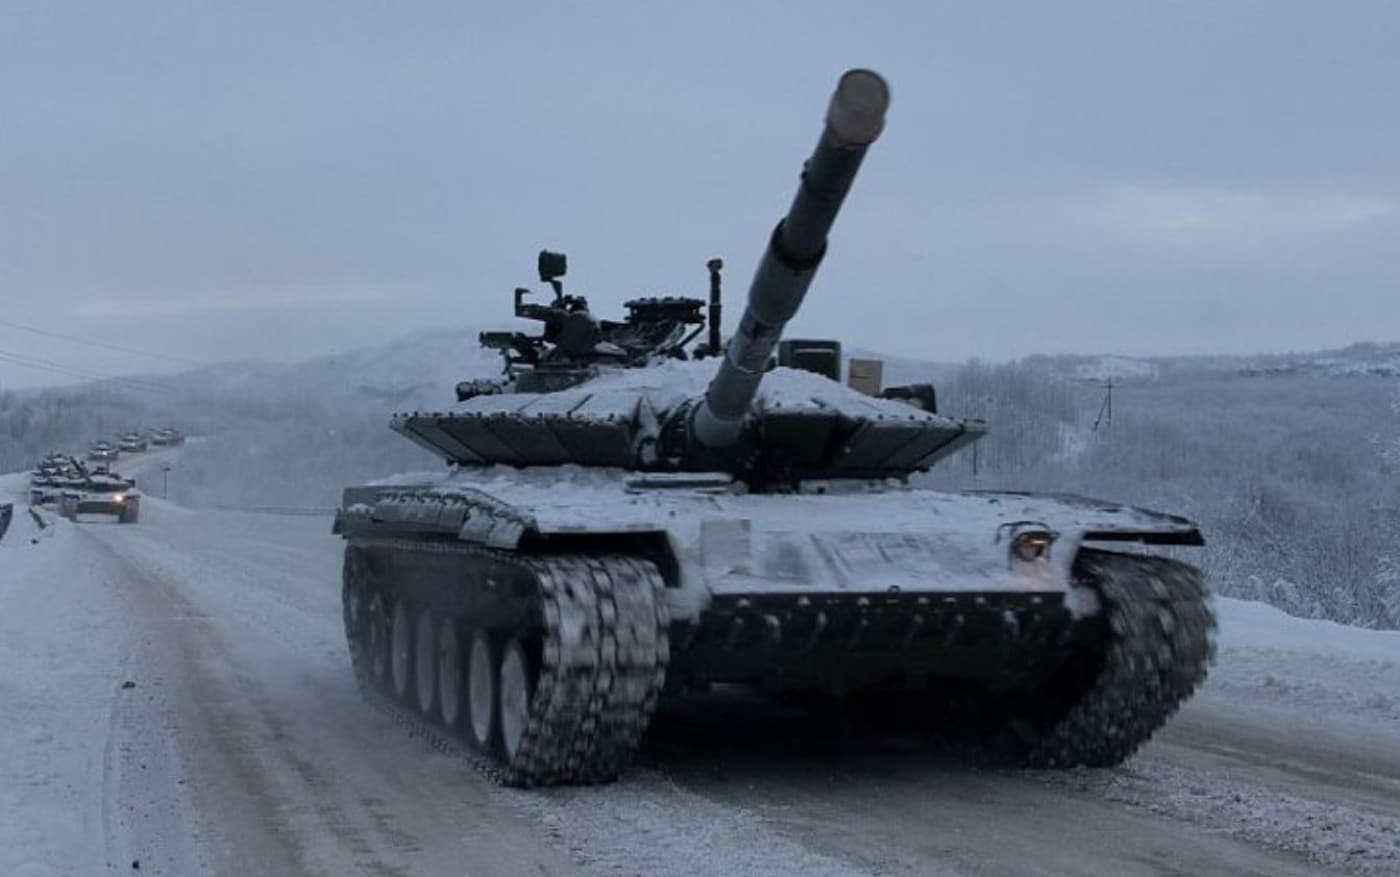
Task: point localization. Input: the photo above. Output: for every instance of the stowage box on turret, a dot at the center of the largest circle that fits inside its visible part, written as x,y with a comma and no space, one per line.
628,514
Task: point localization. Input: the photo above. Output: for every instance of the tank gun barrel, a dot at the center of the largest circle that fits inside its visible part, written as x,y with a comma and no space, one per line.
854,120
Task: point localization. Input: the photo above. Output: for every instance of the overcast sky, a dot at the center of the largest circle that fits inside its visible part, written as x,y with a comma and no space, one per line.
218,180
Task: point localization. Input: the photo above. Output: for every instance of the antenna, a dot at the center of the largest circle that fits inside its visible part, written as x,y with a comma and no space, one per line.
714,265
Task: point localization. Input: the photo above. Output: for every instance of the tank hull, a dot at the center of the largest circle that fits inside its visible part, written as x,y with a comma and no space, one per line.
125,509
713,539
863,586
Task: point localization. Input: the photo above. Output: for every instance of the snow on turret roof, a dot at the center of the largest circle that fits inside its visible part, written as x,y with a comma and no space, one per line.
670,383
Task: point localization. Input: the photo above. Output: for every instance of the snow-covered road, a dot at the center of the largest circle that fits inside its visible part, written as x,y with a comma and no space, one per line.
240,747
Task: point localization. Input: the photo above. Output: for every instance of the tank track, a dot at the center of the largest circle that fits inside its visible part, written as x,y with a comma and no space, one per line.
1160,630
604,650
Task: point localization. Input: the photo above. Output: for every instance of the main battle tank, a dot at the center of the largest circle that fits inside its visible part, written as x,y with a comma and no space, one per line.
100,491
627,516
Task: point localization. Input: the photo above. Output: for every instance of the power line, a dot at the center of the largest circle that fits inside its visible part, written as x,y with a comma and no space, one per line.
97,377
55,368
103,344
58,368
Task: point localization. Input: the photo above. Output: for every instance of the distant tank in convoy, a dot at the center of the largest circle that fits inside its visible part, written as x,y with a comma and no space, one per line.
51,476
99,491
103,451
628,514
167,437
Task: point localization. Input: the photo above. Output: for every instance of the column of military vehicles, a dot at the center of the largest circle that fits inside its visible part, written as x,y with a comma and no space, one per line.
626,516
136,441
74,487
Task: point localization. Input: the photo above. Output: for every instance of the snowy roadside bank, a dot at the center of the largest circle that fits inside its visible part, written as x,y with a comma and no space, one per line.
25,544
1278,658
1248,624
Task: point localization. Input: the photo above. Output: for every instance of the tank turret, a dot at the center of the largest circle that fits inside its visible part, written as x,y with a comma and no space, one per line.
632,394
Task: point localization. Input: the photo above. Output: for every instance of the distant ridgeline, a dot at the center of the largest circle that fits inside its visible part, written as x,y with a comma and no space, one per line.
1289,497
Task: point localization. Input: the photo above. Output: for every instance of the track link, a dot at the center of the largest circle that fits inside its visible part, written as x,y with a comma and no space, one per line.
602,658
1160,643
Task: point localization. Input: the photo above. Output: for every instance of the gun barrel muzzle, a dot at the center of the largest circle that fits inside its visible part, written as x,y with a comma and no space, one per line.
856,115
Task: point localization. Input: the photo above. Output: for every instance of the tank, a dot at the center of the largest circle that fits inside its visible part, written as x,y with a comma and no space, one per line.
103,452
51,476
634,511
100,491
167,436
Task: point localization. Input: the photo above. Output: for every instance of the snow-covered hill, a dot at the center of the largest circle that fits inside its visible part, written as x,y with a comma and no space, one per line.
1376,360
421,368
1298,470
1106,368
1358,360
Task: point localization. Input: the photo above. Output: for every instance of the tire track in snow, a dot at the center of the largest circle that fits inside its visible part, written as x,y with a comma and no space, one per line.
241,580
730,800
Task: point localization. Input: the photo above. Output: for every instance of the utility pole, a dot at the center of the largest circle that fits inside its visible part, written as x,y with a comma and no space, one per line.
1105,415
165,481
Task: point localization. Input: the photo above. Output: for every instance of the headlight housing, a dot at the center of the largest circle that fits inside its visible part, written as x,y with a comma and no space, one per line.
1032,545
1027,542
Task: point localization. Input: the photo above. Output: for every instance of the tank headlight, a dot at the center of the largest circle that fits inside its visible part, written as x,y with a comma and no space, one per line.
1031,546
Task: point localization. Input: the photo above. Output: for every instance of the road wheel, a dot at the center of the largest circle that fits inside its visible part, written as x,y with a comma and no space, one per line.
354,605
377,635
425,663
401,652
517,688
450,678
352,601
481,689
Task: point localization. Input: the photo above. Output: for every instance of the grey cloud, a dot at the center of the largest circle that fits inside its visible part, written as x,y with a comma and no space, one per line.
1134,177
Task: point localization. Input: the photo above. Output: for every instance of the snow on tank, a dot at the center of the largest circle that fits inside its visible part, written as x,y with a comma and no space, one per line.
799,425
